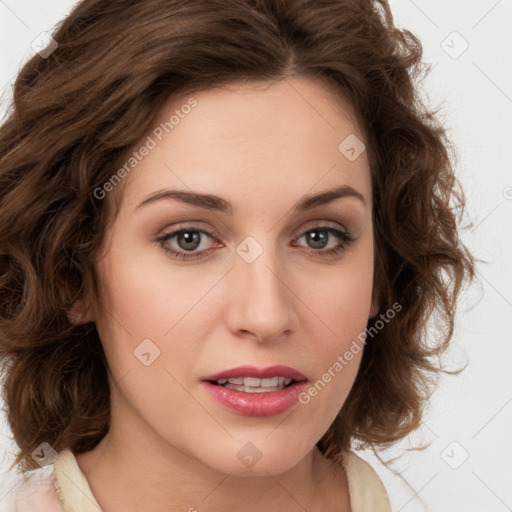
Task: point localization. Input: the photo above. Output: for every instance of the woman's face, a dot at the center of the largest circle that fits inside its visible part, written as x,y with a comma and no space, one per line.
271,278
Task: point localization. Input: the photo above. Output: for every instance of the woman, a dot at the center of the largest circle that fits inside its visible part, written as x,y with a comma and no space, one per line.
224,227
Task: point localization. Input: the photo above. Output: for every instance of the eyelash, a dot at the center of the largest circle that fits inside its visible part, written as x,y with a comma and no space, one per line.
344,236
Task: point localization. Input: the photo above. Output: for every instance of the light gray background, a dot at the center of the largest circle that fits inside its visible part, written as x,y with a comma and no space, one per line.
471,414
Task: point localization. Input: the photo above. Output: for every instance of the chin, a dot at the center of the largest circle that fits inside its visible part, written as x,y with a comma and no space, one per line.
257,458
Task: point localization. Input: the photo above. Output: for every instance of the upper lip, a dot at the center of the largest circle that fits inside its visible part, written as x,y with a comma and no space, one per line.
258,373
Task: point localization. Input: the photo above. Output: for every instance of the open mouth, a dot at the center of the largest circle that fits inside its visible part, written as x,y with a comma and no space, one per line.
255,385
253,391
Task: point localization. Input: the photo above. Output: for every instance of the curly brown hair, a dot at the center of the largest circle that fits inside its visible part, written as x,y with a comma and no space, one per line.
77,112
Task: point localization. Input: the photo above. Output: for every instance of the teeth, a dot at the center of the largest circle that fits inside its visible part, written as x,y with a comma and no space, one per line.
251,382
237,380
274,381
254,385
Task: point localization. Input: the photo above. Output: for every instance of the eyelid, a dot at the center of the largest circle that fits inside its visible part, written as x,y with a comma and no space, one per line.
192,225
320,223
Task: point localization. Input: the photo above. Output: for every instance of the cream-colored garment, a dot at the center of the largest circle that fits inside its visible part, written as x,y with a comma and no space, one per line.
66,489
367,492
72,486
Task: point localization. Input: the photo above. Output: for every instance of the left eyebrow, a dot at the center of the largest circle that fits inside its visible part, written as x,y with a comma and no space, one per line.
216,203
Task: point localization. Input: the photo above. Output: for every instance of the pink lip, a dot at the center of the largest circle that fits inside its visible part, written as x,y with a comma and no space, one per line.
270,403
258,373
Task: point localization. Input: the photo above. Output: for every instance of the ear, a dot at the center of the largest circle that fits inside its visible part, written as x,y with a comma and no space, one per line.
374,309
80,313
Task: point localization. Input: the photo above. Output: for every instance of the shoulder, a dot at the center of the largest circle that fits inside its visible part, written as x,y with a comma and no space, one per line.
35,493
58,487
367,492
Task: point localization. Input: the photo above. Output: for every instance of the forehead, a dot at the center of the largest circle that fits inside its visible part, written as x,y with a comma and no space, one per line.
254,139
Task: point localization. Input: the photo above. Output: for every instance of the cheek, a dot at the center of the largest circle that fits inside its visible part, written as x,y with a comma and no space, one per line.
143,325
155,313
342,301
147,296
341,298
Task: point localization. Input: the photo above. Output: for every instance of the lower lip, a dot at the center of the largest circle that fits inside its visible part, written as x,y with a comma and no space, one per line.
270,403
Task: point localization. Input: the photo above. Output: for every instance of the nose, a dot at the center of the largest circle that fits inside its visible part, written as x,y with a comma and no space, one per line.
260,304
